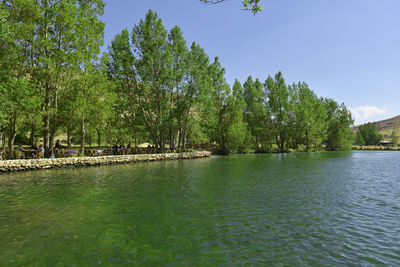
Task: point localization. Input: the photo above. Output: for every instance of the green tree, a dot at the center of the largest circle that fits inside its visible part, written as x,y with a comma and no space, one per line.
370,134
310,113
280,109
18,90
191,95
359,139
90,91
177,90
394,136
255,113
214,111
339,119
153,67
122,72
237,130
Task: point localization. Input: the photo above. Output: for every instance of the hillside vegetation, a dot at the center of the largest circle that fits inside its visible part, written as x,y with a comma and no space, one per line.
385,127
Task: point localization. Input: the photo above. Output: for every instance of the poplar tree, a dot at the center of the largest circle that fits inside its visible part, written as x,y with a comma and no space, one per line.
279,109
90,83
17,89
154,69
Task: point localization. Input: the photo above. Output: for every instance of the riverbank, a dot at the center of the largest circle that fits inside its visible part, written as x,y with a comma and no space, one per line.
37,164
385,148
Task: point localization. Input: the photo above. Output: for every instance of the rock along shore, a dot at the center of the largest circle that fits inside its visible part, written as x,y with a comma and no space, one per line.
37,164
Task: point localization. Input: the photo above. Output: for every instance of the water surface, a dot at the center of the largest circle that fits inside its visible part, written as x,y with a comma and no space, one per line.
296,209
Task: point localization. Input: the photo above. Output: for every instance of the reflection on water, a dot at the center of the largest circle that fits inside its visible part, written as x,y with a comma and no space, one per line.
295,209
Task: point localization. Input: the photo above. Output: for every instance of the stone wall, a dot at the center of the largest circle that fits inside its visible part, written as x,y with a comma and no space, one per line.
36,164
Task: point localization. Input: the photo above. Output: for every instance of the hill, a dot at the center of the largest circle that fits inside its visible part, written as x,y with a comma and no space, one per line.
385,126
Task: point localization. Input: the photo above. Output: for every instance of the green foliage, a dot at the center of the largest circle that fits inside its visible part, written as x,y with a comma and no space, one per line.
394,136
251,5
339,134
369,134
149,87
280,109
359,139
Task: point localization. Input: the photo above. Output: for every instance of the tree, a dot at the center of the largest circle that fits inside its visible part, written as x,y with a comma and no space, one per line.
237,130
339,119
66,35
192,93
280,109
18,90
121,69
251,5
178,104
154,69
369,133
255,113
394,136
89,86
214,111
359,139
310,126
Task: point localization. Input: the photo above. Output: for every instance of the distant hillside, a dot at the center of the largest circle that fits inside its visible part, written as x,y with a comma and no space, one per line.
385,126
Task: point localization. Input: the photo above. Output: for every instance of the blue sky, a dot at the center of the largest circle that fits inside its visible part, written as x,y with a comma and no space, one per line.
348,50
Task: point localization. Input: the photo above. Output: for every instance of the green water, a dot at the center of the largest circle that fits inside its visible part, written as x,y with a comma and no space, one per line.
294,209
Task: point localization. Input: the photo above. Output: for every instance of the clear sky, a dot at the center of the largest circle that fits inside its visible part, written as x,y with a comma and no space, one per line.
348,50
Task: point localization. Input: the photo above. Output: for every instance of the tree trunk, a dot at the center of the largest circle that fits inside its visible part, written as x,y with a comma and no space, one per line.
256,144
307,140
46,137
69,138
98,138
83,131
12,134
184,133
51,142
3,142
134,136
179,136
32,137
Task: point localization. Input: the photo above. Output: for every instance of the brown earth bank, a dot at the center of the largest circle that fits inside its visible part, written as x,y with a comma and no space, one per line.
37,164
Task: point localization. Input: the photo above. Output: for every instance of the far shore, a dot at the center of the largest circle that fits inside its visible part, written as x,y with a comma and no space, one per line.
384,148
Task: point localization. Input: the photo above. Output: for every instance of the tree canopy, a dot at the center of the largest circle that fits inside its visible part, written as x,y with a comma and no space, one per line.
368,135
150,86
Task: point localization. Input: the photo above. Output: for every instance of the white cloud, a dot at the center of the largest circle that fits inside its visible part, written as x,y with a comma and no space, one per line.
366,113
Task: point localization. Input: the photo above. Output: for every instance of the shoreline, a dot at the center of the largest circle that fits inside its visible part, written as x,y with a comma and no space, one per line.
42,164
376,148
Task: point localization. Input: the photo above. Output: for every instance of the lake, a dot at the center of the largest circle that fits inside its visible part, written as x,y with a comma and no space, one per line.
328,208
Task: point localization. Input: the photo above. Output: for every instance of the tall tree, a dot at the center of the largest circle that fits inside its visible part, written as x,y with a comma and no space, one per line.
153,66
215,116
255,112
91,29
178,86
237,130
310,126
18,91
122,72
193,93
280,109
